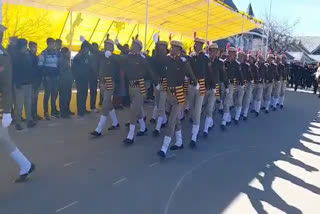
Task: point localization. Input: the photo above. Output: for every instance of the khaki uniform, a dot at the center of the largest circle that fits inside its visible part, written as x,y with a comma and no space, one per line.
258,71
248,88
235,79
284,78
268,87
178,68
5,99
277,85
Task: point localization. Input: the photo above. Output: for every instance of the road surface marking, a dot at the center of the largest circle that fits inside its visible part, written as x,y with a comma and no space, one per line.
171,156
70,163
69,205
174,190
119,181
153,164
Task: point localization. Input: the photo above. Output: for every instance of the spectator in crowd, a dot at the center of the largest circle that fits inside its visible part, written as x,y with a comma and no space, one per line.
58,46
93,77
22,82
36,80
65,82
48,62
81,70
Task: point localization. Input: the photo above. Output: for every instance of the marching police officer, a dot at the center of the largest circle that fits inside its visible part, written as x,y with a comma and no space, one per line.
247,69
109,73
269,78
239,84
258,70
178,68
277,82
216,66
284,78
136,67
199,63
232,68
26,167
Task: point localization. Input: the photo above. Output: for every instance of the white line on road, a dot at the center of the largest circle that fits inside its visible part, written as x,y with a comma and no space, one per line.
70,163
69,205
119,181
153,164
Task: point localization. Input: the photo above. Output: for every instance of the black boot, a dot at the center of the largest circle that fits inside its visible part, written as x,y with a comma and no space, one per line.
114,127
25,177
128,141
156,133
161,154
95,134
140,133
192,144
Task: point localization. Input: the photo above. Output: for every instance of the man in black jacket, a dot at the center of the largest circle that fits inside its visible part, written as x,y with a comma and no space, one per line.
22,82
81,69
36,80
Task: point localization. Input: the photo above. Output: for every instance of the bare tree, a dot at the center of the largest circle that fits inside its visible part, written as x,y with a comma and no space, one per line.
280,33
24,23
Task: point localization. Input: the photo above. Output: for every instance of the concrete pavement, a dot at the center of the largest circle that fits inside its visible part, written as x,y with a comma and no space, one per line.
268,164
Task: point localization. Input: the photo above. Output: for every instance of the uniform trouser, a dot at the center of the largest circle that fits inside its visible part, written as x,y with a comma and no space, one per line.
5,140
82,94
222,95
136,108
238,100
196,100
227,104
267,95
209,102
23,98
162,103
247,98
282,91
34,102
93,83
50,84
65,93
107,104
258,96
189,97
276,93
101,96
315,85
174,123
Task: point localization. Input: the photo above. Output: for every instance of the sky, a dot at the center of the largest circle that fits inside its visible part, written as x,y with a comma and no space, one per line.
306,11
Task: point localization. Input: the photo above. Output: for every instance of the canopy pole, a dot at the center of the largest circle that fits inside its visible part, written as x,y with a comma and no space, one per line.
242,41
70,31
208,23
1,19
146,29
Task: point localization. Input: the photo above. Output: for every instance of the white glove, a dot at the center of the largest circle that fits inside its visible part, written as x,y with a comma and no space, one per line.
193,54
197,86
227,90
252,82
156,37
116,41
158,87
82,39
107,54
186,78
242,87
6,120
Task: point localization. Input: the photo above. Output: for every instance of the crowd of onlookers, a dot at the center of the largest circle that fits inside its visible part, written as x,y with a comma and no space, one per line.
304,76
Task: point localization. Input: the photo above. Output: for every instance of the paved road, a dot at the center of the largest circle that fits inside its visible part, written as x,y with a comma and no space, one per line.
268,164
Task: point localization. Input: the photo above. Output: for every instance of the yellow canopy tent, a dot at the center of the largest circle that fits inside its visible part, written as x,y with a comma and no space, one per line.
122,19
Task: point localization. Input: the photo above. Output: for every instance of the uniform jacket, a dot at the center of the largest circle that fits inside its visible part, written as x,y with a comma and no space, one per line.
216,67
5,82
199,64
109,67
233,71
246,71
